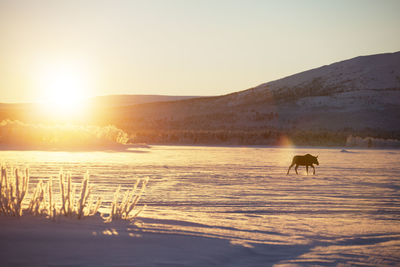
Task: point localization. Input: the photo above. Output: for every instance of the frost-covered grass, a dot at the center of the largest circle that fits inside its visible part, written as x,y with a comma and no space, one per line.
67,202
13,189
84,206
125,209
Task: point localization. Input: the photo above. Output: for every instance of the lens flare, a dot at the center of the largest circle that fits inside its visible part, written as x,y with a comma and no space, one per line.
285,141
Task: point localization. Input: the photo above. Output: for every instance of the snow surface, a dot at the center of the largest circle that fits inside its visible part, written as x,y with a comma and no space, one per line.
219,206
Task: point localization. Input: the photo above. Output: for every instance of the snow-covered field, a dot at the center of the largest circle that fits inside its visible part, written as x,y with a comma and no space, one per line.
218,206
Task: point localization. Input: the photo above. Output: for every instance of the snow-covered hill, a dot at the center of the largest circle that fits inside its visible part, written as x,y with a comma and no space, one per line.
359,93
365,73
363,92
375,72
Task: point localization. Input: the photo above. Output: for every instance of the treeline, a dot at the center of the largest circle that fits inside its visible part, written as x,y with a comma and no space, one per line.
240,137
371,142
20,135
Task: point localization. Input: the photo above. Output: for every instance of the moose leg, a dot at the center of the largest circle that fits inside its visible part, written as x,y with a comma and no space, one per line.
289,169
313,169
295,168
307,169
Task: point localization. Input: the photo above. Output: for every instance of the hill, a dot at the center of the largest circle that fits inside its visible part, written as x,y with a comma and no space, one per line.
127,100
356,96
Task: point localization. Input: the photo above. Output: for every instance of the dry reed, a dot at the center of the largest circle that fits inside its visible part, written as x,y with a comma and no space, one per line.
122,209
14,188
70,205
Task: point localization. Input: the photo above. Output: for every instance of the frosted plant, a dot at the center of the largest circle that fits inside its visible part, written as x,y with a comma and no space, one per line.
123,209
51,207
12,191
84,206
37,205
66,194
41,203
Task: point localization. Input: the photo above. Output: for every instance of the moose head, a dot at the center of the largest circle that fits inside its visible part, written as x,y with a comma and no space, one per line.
316,160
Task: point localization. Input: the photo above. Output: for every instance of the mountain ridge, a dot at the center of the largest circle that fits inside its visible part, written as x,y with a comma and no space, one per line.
361,93
383,58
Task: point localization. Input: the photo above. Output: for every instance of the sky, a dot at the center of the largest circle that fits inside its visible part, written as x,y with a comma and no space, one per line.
180,47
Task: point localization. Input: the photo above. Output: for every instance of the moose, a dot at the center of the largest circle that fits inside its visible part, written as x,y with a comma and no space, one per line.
306,160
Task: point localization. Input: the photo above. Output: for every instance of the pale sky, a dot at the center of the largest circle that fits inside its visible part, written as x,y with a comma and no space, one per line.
181,47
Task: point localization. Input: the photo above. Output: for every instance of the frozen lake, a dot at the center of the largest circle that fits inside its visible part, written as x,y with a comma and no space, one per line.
349,212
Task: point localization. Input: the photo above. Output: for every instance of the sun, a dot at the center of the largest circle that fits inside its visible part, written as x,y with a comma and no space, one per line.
63,91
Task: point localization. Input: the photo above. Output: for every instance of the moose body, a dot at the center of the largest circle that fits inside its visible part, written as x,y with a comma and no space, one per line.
306,160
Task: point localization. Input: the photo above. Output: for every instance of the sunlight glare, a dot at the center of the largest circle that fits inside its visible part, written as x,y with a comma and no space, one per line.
64,89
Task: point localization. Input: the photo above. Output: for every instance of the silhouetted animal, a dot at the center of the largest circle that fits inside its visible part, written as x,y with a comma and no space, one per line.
306,160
